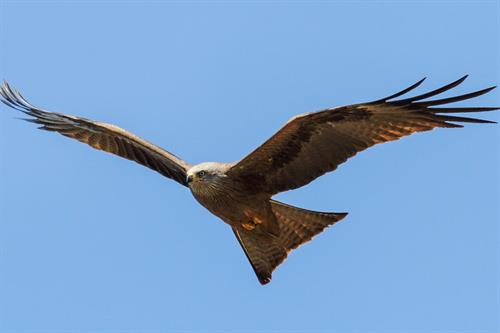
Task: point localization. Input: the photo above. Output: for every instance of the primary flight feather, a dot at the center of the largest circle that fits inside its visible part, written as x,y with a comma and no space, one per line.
305,148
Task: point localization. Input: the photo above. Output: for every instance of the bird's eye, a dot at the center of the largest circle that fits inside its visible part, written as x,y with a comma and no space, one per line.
201,173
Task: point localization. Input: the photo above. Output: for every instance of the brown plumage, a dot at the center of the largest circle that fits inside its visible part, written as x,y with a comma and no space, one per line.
310,145
102,136
307,147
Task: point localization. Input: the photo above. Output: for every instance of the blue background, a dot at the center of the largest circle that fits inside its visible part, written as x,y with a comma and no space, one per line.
94,243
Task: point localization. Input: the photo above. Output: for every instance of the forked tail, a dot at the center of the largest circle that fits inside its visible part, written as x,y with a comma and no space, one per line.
297,226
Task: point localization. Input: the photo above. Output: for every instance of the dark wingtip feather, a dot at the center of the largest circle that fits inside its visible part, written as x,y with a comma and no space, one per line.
11,98
456,98
432,93
465,119
8,91
399,93
414,104
463,109
6,102
30,120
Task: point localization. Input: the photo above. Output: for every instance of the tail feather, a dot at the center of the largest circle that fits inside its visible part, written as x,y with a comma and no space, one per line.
297,226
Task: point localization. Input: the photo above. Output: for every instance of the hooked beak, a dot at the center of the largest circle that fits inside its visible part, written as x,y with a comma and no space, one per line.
189,179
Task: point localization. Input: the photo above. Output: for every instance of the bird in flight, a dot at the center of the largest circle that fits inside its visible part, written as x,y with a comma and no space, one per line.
306,147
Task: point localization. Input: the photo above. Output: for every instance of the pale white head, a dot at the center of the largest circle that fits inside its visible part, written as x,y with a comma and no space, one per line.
206,172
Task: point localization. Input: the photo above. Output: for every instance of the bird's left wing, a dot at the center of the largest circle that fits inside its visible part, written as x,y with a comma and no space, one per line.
312,144
102,136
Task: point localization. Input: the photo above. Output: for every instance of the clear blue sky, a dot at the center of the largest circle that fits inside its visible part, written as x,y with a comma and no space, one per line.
90,242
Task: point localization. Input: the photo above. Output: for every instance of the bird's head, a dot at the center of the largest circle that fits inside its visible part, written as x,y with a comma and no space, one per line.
207,172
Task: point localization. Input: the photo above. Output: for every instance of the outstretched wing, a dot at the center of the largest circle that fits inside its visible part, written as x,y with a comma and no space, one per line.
312,144
102,136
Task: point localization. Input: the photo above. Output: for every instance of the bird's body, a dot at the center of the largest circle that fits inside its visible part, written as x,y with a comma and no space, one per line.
308,146
228,200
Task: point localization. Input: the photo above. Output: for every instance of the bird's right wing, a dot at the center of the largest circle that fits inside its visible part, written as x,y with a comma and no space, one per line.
102,136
